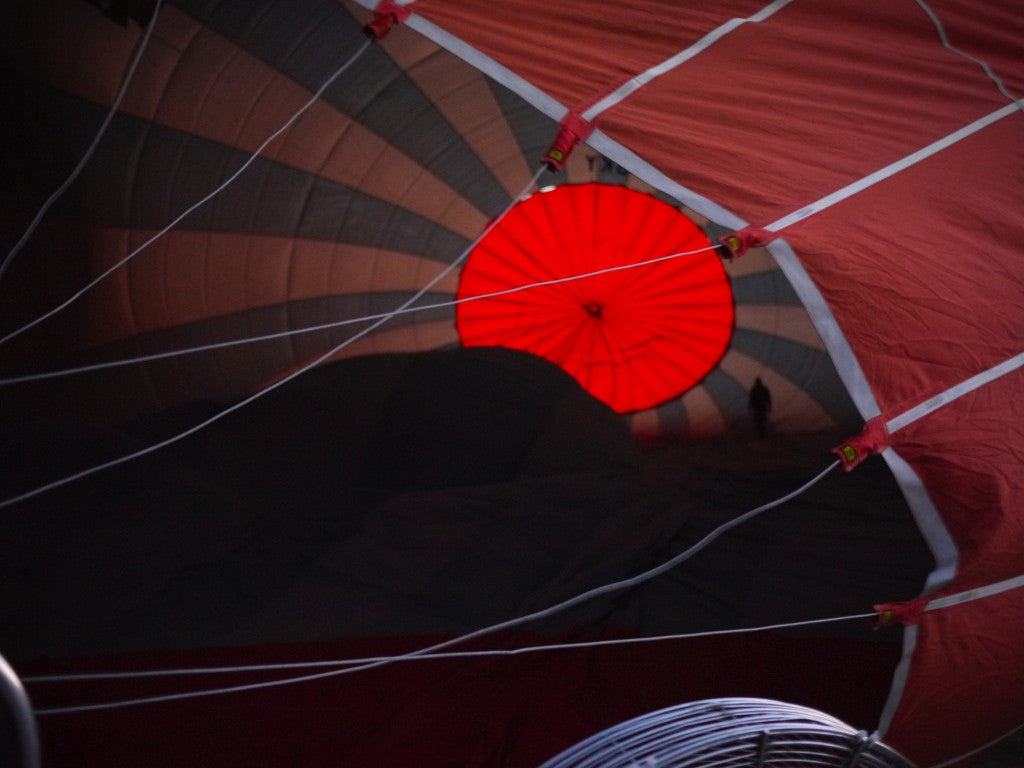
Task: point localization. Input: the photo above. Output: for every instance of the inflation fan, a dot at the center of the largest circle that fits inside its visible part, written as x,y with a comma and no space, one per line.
731,733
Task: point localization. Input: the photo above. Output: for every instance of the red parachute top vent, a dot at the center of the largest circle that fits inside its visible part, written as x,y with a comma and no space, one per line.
634,337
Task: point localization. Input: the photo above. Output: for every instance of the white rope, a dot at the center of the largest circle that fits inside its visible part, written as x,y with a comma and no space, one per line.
205,199
129,73
33,377
274,667
504,625
281,382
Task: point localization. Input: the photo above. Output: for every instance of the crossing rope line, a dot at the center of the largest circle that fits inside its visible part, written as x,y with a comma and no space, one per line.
199,203
33,377
129,73
275,385
432,650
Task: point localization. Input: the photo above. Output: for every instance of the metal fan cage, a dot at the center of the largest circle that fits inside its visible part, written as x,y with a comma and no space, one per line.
731,733
20,725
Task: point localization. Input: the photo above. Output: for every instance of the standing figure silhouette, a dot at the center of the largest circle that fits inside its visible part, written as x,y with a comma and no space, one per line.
760,406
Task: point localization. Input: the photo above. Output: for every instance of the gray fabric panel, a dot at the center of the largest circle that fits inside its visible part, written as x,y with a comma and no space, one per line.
810,369
729,396
309,46
770,287
608,171
533,130
164,171
672,417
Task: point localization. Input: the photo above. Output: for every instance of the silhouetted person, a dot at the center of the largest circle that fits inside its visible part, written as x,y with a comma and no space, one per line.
760,406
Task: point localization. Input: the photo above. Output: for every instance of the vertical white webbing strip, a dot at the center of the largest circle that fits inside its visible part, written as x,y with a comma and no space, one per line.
941,29
929,522
899,681
847,365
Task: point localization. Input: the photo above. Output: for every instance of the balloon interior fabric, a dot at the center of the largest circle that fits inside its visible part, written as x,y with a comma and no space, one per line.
634,340
386,503
257,287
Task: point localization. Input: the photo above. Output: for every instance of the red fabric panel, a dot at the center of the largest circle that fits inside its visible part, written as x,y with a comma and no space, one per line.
249,271
781,113
981,698
922,270
965,681
992,31
968,455
556,50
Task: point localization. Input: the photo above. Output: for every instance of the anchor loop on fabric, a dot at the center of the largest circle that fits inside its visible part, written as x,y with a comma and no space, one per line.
385,16
571,131
873,439
735,244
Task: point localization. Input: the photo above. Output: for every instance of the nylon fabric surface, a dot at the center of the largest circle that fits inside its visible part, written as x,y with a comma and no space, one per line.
404,162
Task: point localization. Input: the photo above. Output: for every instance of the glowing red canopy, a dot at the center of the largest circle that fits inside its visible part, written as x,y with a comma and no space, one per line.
632,337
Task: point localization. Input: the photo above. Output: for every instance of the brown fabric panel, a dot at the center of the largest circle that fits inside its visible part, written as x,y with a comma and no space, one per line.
465,99
196,81
552,49
188,276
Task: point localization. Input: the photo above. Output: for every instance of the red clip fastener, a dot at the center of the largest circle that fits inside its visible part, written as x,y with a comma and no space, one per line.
873,439
740,242
572,130
904,613
385,16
